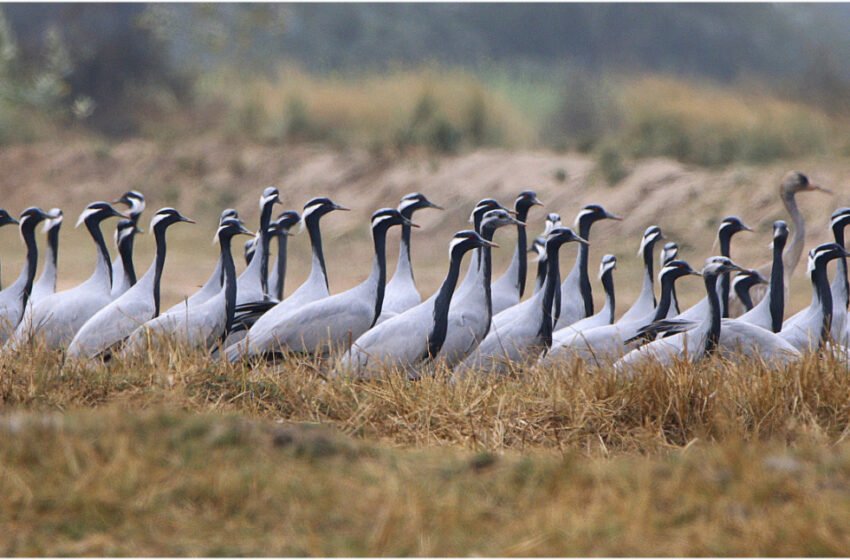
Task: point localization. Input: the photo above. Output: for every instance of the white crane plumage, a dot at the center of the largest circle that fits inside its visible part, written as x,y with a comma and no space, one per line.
524,331
414,337
112,324
509,288
644,305
13,299
57,318
576,301
401,293
204,324
332,323
46,283
470,316
123,271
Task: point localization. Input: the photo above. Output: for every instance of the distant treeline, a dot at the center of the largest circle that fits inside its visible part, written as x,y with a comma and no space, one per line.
122,60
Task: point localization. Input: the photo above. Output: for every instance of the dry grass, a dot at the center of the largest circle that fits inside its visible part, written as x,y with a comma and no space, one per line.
376,110
178,454
710,125
163,482
564,407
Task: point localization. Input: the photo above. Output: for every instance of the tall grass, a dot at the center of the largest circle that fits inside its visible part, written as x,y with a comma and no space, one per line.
707,125
441,109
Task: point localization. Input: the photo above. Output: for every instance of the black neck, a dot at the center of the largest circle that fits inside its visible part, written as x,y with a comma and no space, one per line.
441,307
838,233
522,248
93,225
668,285
584,279
404,248
541,274
229,269
53,243
281,265
777,286
608,286
819,278
316,244
265,240
487,271
648,266
553,277
725,278
125,252
742,290
713,336
380,241
159,236
28,233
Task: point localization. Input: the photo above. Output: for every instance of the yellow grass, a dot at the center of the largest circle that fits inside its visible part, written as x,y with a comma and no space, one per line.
182,456
713,125
372,109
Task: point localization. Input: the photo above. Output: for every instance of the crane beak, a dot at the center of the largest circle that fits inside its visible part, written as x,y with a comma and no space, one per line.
486,243
820,188
537,202
582,240
434,206
187,220
343,208
411,224
611,216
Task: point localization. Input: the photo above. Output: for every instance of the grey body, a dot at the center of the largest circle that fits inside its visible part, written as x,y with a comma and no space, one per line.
139,304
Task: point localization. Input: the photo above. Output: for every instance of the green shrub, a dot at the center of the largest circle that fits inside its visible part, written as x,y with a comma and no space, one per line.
611,166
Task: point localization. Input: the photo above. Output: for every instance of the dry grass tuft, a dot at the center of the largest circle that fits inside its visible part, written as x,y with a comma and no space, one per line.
109,482
568,406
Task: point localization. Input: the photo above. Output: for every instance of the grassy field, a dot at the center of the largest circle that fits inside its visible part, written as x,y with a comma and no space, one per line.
177,455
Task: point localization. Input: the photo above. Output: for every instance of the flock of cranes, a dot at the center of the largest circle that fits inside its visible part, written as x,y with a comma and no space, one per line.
475,325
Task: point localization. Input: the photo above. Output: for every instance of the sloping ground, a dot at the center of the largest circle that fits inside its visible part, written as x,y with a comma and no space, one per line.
202,176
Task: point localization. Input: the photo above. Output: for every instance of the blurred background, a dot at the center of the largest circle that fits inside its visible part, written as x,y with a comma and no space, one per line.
671,113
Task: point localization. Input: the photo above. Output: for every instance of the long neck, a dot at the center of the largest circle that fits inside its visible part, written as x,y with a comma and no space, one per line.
668,285
794,250
487,271
776,297
229,269
648,284
742,290
553,277
28,233
520,255
725,278
712,321
840,286
403,267
159,263
541,275
581,262
125,252
318,253
281,265
441,307
825,295
265,240
52,253
103,266
378,277
608,286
